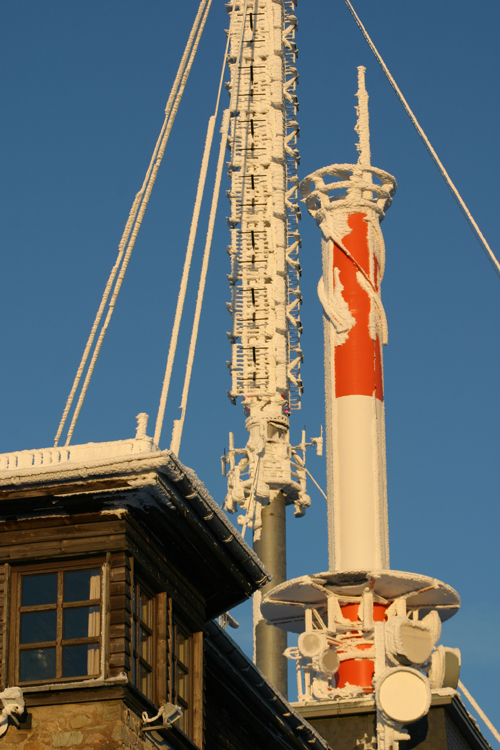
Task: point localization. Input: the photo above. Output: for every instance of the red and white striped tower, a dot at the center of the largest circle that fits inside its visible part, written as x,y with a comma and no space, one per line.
348,209
363,628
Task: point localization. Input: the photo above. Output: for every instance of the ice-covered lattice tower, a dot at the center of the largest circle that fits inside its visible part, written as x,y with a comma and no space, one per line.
266,475
365,630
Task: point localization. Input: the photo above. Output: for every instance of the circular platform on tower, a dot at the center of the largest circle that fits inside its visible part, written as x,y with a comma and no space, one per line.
285,605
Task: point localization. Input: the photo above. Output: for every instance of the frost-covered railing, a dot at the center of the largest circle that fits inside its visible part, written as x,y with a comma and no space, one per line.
74,454
44,457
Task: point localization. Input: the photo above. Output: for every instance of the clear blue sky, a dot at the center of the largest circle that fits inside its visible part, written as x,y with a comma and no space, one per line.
83,91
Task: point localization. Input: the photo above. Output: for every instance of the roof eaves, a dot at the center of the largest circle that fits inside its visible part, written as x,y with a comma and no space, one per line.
234,657
192,491
197,495
467,724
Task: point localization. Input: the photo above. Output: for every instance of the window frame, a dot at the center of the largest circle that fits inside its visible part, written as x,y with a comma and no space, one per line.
193,726
165,612
137,660
185,724
59,568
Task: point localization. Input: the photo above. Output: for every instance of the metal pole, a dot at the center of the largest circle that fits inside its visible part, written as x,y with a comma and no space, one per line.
271,642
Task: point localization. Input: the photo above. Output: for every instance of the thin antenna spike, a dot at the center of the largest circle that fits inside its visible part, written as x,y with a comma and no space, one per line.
362,127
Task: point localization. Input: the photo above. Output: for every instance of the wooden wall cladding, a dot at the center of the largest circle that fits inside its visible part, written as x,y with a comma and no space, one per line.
120,612
4,620
59,537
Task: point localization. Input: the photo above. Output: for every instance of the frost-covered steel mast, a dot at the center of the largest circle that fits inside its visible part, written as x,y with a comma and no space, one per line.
265,295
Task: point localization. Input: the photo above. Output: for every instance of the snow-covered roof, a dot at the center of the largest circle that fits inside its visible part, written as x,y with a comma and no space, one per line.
52,469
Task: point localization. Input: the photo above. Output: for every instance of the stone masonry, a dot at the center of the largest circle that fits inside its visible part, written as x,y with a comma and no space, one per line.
103,725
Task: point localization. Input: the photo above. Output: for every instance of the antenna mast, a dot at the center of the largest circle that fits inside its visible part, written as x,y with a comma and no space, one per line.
268,474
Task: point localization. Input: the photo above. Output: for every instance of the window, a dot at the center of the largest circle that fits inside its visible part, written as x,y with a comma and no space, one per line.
58,624
142,639
182,674
185,675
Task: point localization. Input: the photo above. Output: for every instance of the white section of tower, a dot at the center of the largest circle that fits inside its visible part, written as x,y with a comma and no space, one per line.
360,535
265,295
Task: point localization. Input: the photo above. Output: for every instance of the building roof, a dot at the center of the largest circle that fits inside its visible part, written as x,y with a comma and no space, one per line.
273,708
129,475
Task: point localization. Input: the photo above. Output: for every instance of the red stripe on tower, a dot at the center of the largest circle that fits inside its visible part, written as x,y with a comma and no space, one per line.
358,363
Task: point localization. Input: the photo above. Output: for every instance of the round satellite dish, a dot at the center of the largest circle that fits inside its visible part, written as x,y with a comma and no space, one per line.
433,621
452,667
436,669
312,644
445,668
407,641
329,661
403,694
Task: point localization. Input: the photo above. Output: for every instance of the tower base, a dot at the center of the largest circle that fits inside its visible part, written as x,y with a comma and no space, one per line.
352,724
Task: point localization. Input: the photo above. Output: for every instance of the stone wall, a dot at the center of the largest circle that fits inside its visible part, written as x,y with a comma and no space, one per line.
435,731
344,732
103,725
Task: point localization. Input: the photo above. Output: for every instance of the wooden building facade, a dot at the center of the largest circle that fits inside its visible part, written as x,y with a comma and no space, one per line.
114,563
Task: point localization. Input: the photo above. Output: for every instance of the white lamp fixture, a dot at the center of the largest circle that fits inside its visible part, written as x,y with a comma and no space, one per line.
312,644
328,662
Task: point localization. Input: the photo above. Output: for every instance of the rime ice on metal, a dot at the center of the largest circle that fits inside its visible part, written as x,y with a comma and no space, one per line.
268,474
265,297
265,270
